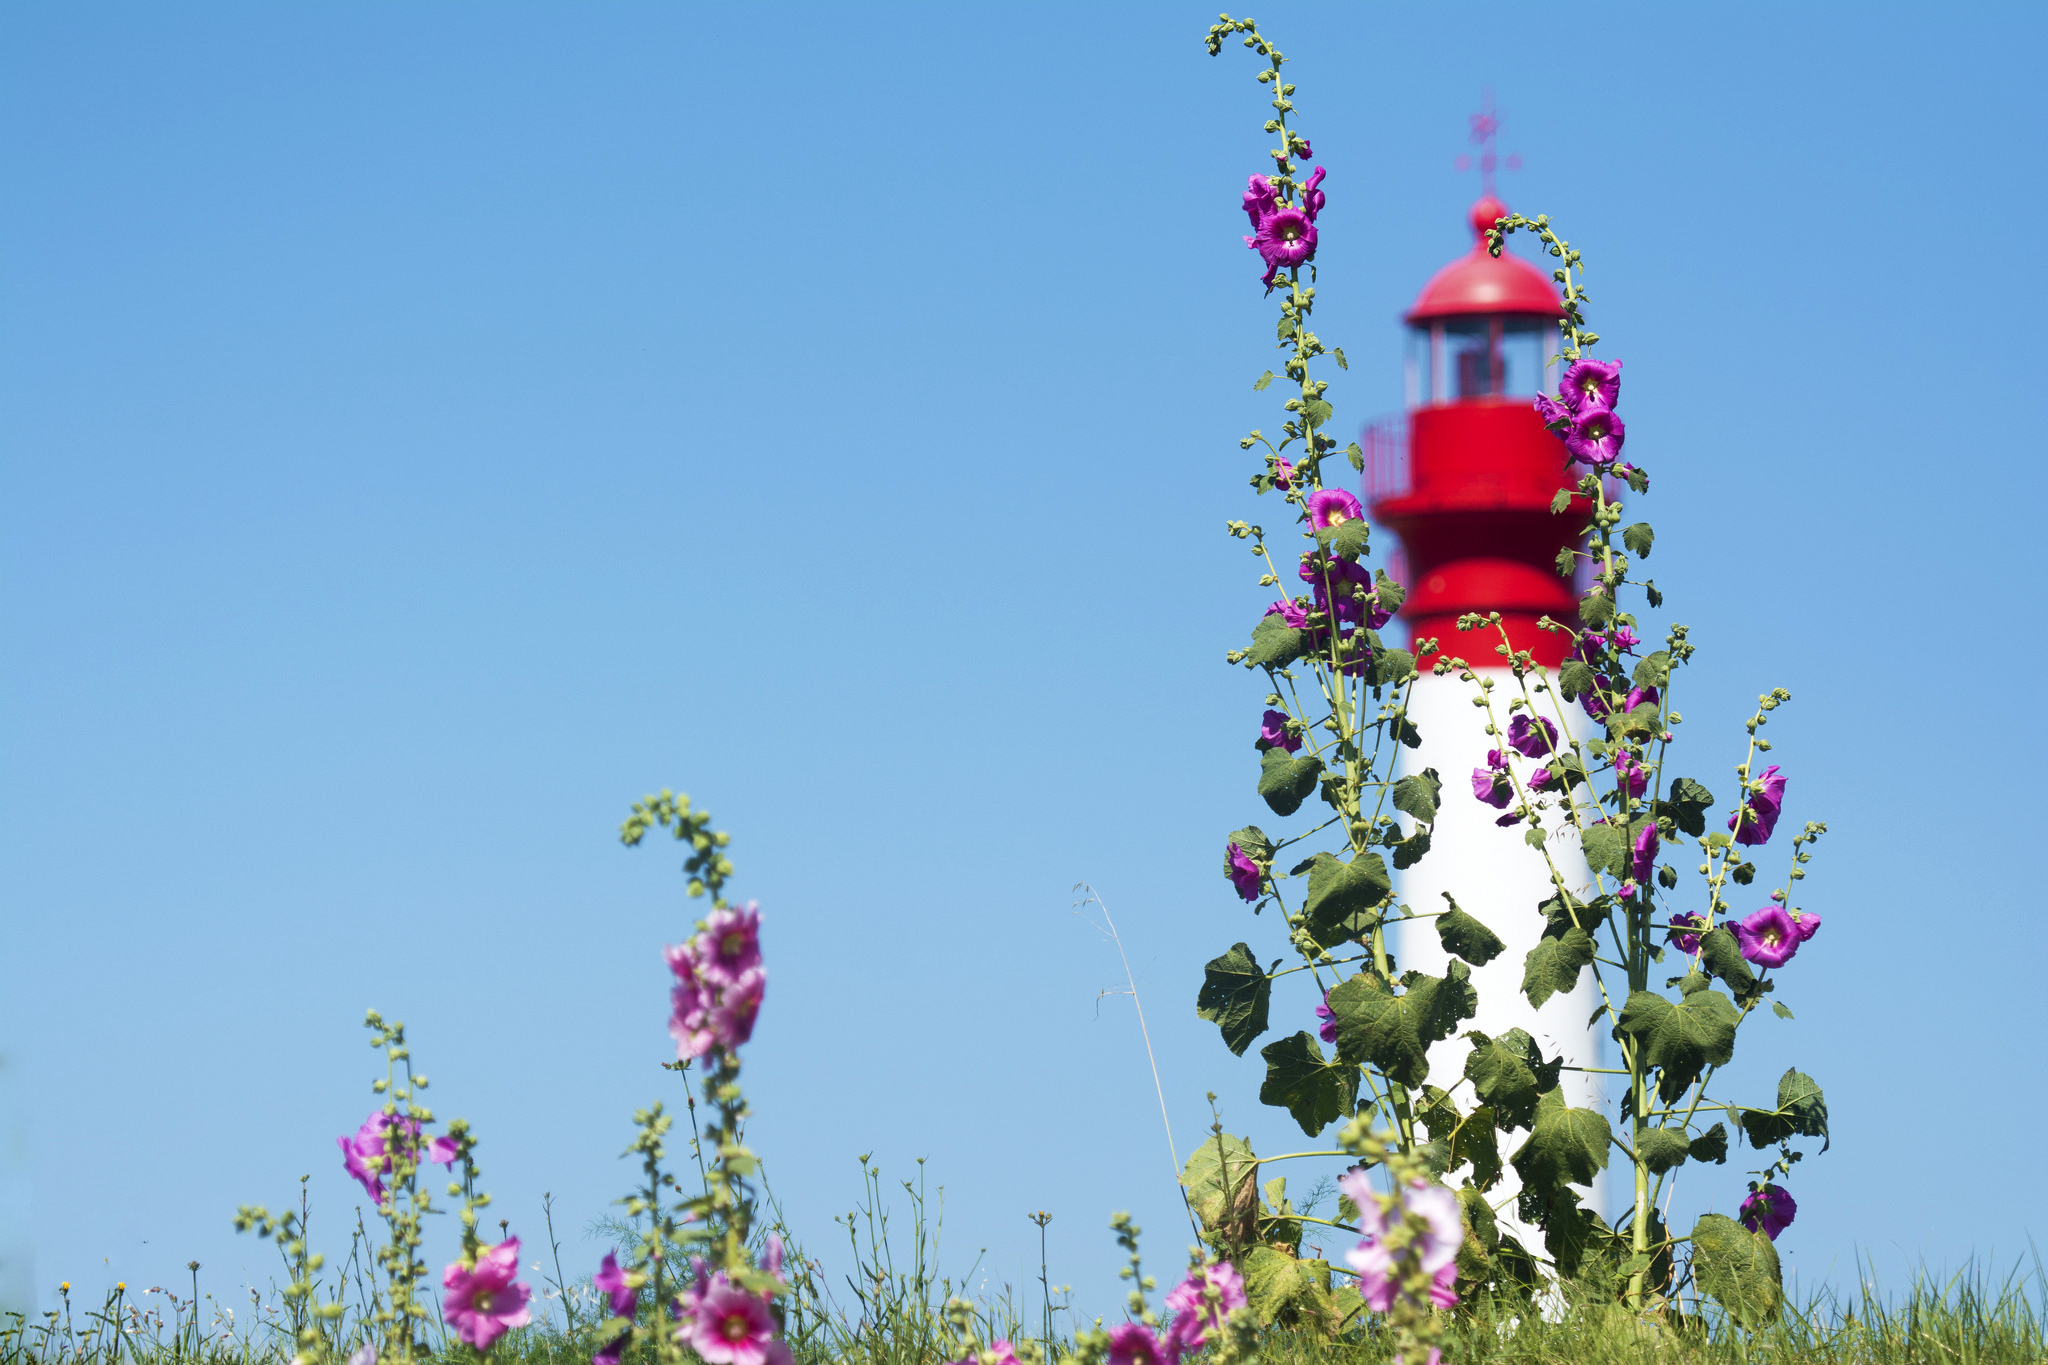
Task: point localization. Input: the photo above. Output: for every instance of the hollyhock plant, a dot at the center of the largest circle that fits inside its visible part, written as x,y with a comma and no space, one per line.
1806,923
730,945
1436,1249
1590,385
366,1154
1312,196
1133,1343
1769,1210
1490,783
483,1302
1283,474
622,1298
1244,874
1644,854
1332,507
1555,415
1260,199
731,1021
1595,437
1769,938
1632,775
1286,237
1536,738
1274,734
1684,932
1193,1319
1758,815
729,1326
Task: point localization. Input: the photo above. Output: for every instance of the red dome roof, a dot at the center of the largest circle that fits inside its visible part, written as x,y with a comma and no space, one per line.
1481,283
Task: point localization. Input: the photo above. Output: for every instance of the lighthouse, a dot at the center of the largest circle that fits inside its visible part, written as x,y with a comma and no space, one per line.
1465,478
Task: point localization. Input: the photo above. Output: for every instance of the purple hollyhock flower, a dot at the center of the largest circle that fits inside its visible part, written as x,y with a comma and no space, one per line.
1244,874
1684,932
732,1021
1292,614
611,1282
1807,922
1133,1343
1591,701
482,1302
1332,507
1303,150
1193,1319
1541,780
1490,784
1595,437
1769,938
1327,1030
1624,639
1523,736
1340,577
1283,474
1633,776
1769,1210
1436,1248
730,1326
1555,415
1273,732
1589,646
1591,385
1761,810
366,1154
1645,853
1259,200
1286,237
730,945
1312,199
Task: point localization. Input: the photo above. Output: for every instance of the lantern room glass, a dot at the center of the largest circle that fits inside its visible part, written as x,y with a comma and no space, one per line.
1480,356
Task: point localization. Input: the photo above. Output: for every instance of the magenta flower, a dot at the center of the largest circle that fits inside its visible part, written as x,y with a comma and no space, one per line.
1291,613
1761,810
366,1154
1192,1318
1332,507
1244,874
483,1303
1133,1343
1302,150
1807,923
1339,579
1327,1030
729,1326
730,945
1286,237
1283,474
1769,938
1642,696
1555,415
689,1012
610,1281
1623,638
1769,1210
1632,775
1593,700
1490,783
1541,780
1274,734
1259,200
1312,198
1595,437
999,1353
732,1020
1645,853
1523,736
1684,932
1591,385
1437,1248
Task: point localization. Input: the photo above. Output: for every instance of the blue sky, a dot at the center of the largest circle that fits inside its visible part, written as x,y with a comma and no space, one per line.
427,429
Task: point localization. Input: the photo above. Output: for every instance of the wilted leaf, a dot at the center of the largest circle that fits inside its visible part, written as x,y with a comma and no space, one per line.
1738,1267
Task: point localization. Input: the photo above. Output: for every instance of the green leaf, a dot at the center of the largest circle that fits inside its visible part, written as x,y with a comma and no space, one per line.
1606,849
1653,670
1253,841
1276,1284
1638,538
1274,645
1408,852
1802,1109
1392,666
1356,456
1721,955
1662,1149
1553,965
1689,805
1286,781
1643,721
1393,1032
1509,1074
1389,594
1596,609
1316,411
1533,836
1738,1267
1417,795
1560,500
1260,383
1576,679
1778,1008
1337,354
1681,1040
1565,1146
1235,995
1299,1080
1348,538
1342,894
1477,1144
1463,936
1711,1145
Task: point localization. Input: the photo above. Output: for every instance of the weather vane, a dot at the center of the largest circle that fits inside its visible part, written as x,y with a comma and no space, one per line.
1485,126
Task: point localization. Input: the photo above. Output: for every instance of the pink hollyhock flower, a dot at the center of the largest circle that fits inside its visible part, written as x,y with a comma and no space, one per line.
1684,932
1244,874
1327,1030
1541,780
1286,237
1443,1290
1623,638
1645,853
1332,507
731,1021
1283,474
1769,938
1338,579
1590,385
998,1353
1291,613
1761,810
1769,1210
1807,923
483,1303
1436,1248
366,1154
730,945
1595,437
1632,775
729,1326
1192,1319
1259,200
1524,737
1642,696
610,1281
1490,783
1555,415
689,1018
1312,198
1132,1343
1273,732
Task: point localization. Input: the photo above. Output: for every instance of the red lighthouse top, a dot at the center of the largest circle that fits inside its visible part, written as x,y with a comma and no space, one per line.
1480,282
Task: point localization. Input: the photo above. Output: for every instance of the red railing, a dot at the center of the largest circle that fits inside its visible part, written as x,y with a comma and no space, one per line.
1385,443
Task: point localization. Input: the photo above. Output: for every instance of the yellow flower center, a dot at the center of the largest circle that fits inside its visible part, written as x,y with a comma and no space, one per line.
735,1327
482,1302
731,944
1337,517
